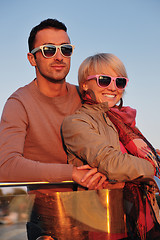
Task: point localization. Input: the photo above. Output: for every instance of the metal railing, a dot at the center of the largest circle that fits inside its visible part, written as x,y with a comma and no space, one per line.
66,215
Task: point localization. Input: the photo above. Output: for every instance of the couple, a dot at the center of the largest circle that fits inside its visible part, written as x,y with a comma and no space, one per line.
31,148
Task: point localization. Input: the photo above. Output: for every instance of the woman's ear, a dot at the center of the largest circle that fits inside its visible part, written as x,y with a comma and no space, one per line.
31,59
85,86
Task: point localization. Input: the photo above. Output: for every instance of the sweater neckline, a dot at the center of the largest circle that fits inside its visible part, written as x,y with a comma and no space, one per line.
36,92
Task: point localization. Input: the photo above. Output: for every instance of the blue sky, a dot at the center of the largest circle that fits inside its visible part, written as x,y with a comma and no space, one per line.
130,29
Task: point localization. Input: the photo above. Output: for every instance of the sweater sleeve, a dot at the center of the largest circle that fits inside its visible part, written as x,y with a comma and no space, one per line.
83,140
14,167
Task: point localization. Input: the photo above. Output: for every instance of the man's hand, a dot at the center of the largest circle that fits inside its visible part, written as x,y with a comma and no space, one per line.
88,177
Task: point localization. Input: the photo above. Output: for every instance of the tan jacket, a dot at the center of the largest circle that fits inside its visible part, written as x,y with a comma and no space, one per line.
91,137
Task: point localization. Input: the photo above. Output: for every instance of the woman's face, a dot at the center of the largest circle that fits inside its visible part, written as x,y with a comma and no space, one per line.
109,94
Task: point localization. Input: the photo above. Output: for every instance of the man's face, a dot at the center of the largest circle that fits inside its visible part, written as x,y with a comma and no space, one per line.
56,68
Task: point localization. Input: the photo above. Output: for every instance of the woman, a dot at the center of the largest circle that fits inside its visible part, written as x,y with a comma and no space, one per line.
103,134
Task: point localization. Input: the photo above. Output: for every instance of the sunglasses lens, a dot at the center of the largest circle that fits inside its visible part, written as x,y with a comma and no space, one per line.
121,83
49,51
104,81
67,50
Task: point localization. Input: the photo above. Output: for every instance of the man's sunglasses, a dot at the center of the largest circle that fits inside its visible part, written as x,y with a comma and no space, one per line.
50,50
105,81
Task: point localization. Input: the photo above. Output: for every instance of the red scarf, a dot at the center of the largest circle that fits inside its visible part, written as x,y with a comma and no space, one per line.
132,139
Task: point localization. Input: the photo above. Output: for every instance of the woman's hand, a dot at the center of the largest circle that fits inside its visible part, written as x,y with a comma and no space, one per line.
158,151
93,178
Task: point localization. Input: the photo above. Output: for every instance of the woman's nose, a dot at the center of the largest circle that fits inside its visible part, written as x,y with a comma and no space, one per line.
112,86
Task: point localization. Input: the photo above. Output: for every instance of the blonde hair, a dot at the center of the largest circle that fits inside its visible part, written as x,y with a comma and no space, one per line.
93,65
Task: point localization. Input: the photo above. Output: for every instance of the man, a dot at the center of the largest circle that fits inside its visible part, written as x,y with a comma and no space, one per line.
30,141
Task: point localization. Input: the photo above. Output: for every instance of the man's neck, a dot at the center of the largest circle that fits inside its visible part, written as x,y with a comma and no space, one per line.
52,89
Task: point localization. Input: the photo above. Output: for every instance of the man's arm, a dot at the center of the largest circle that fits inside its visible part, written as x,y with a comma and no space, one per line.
13,165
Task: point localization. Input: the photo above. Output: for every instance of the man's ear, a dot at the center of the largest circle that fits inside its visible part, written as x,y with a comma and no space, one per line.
31,59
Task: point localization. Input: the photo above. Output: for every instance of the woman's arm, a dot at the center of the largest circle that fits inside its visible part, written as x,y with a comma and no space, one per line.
83,140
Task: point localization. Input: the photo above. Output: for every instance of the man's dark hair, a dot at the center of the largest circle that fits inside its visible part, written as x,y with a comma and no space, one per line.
48,23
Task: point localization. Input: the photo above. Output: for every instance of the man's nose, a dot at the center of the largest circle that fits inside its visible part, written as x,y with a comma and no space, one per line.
58,55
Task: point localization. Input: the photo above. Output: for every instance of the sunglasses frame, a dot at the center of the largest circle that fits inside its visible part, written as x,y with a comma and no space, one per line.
113,79
52,45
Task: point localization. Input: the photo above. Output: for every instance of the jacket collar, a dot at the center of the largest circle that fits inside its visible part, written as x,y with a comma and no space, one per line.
102,107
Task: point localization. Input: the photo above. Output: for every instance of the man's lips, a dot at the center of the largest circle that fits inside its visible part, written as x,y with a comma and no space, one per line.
58,65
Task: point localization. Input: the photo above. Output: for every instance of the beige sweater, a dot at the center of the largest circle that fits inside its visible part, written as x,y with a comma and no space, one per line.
30,141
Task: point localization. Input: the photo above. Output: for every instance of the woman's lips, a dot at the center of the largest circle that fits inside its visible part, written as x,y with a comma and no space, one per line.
109,95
